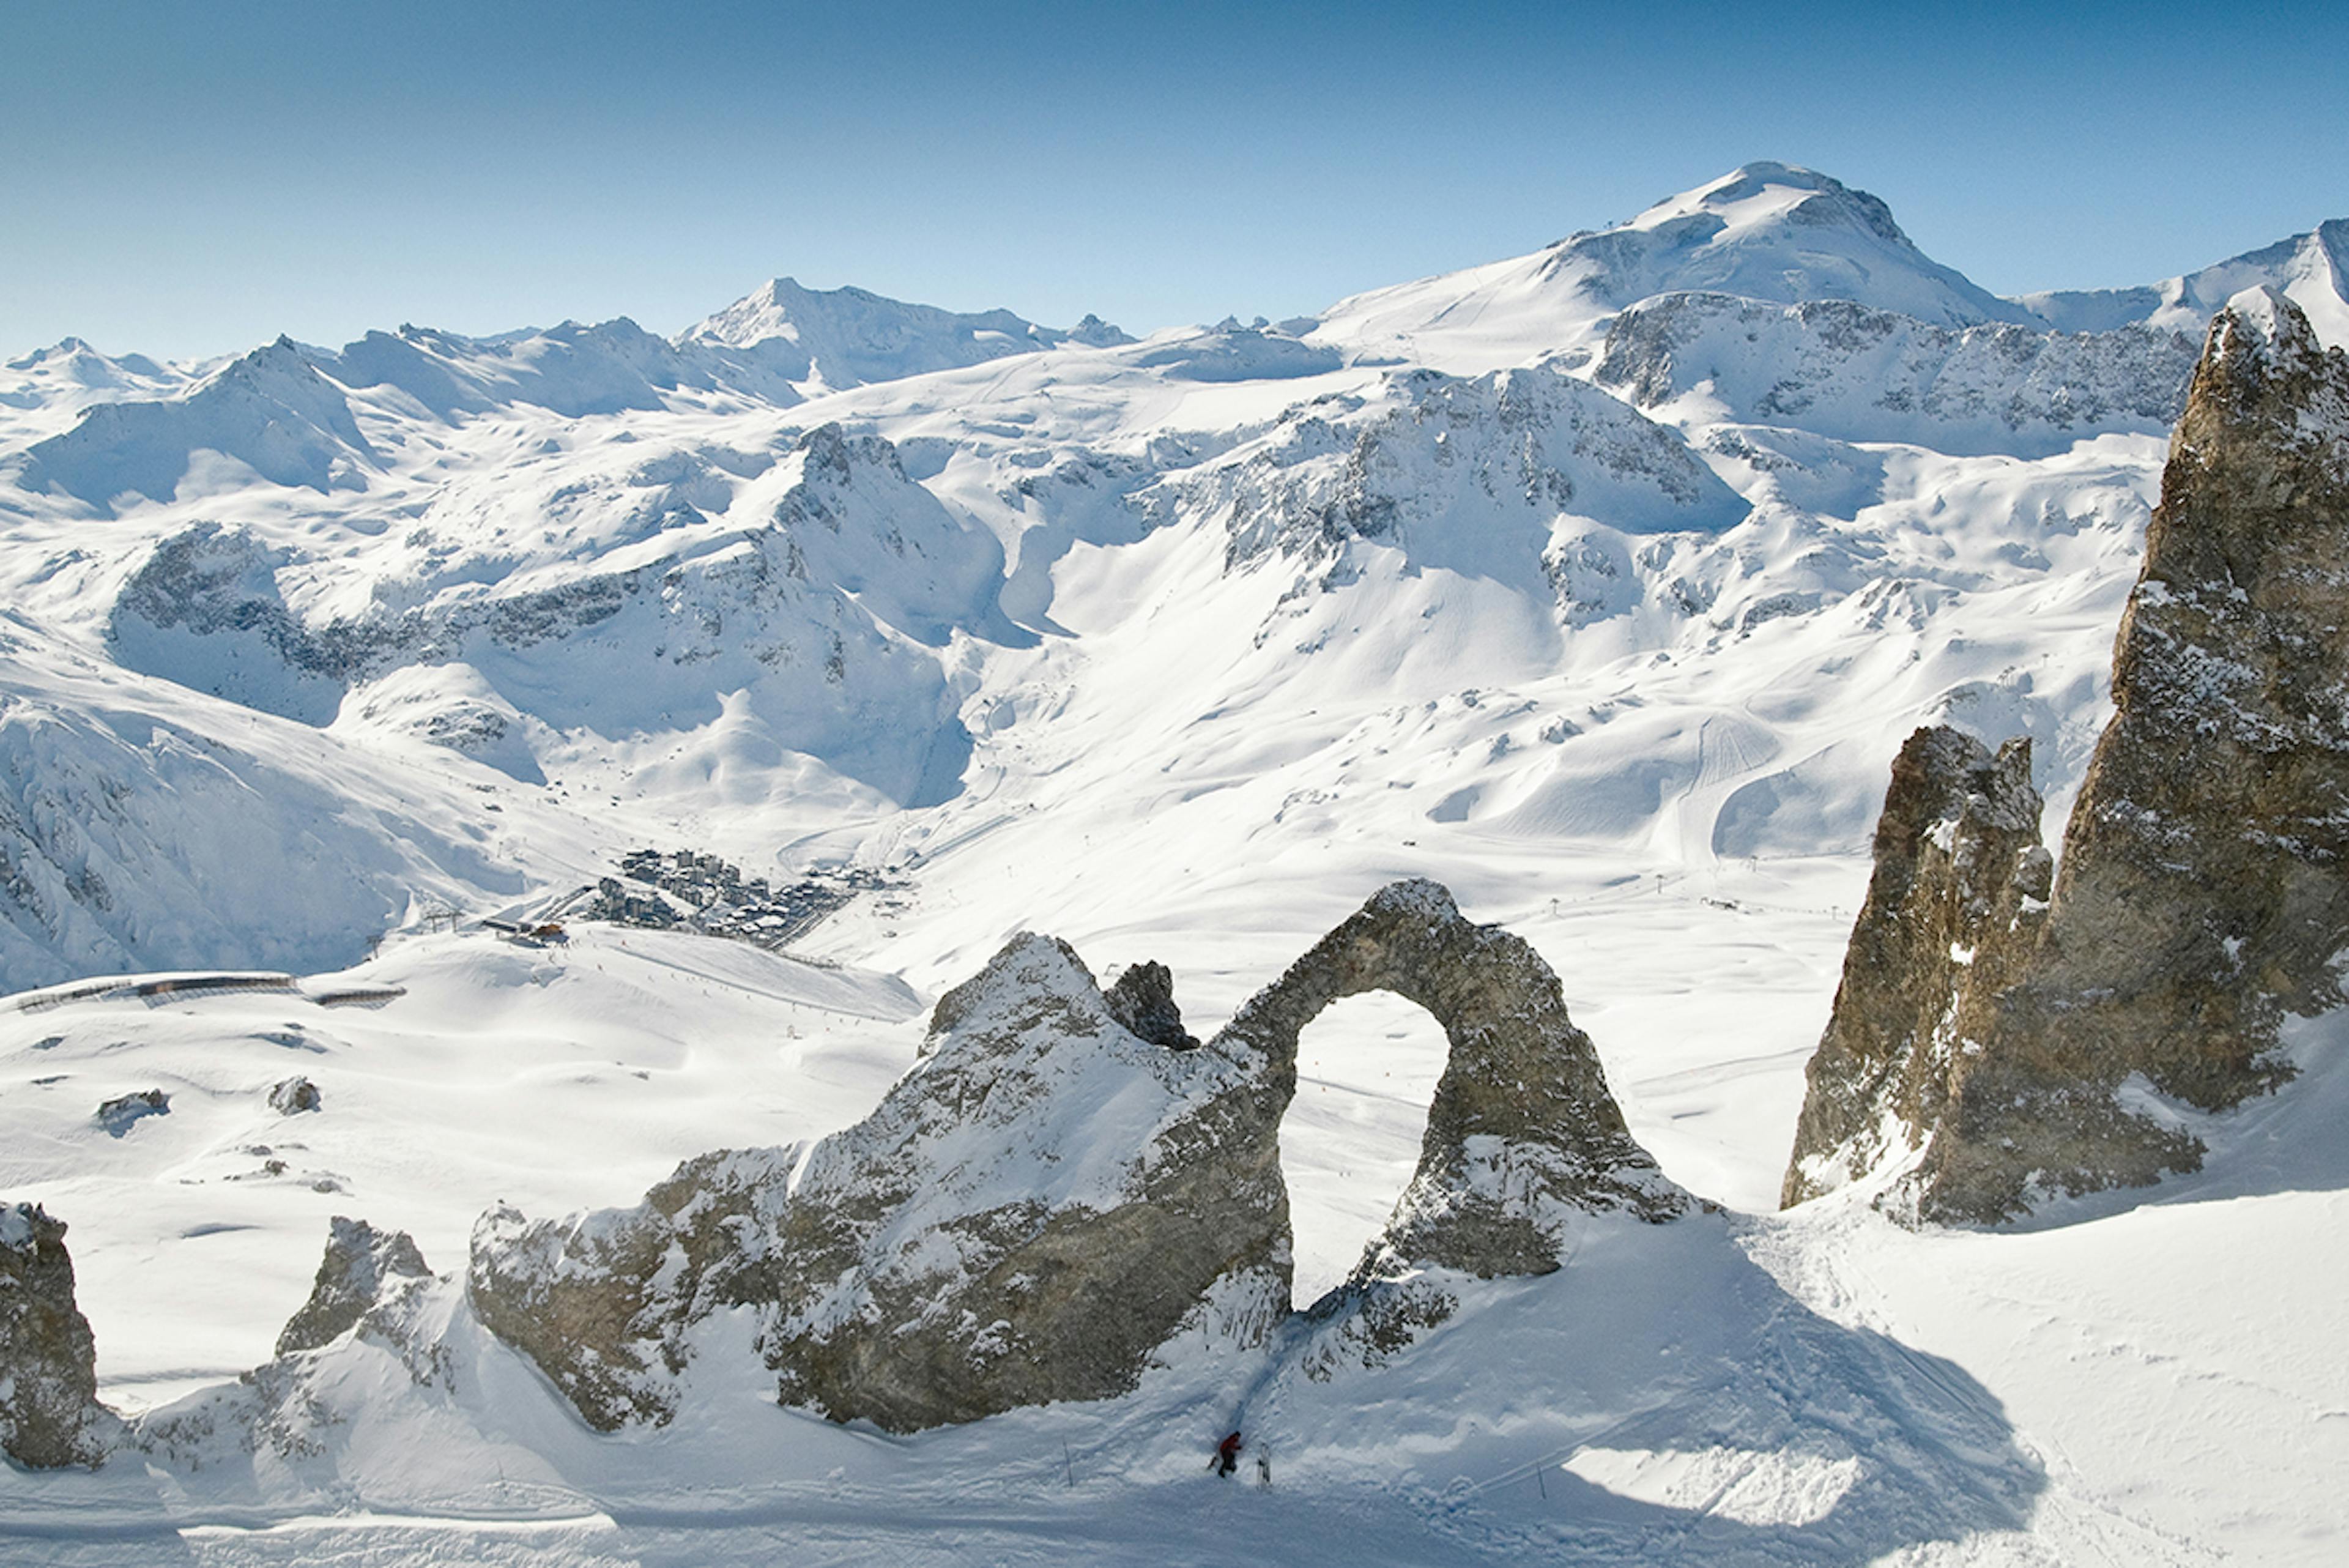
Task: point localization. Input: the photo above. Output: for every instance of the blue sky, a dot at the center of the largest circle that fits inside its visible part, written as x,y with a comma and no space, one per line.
189,179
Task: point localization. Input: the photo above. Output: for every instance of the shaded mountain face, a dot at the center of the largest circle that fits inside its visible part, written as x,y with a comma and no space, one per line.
270,411
2201,895
1862,374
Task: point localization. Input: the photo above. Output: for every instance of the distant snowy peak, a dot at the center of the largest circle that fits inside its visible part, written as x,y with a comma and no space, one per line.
42,393
1768,232
70,362
270,411
851,337
573,371
2312,270
1773,232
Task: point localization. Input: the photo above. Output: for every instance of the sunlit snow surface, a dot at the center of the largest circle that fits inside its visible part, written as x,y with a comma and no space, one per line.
1646,727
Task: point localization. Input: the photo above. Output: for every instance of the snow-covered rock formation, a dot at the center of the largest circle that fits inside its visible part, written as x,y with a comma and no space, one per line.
1860,374
2200,897
1026,1218
360,1265
1475,476
1048,1198
50,1414
1524,1138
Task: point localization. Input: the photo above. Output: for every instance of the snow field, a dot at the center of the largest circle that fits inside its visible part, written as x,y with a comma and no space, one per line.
1648,734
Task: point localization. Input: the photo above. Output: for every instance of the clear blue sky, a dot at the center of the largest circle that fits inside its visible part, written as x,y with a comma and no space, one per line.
189,179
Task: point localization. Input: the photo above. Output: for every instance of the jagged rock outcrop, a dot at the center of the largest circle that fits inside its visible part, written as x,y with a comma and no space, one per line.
1047,1197
1033,1210
361,1262
605,1303
120,1115
1525,1143
1143,1000
50,1414
2203,890
1425,463
1959,889
293,1096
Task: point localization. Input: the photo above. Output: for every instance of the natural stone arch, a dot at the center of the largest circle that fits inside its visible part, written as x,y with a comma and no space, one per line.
1523,1134
1096,1191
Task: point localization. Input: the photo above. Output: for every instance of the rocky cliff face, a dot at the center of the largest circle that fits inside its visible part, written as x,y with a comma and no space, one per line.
2204,887
1450,472
1033,1212
50,1414
1959,891
1049,1197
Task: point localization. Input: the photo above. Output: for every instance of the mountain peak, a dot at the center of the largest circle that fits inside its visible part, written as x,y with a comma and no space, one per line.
1794,194
1766,231
849,337
1781,233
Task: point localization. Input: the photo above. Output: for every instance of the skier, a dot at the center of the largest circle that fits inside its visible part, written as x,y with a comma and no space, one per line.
1227,1455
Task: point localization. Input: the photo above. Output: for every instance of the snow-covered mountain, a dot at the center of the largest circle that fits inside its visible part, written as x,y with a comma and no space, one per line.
46,390
2310,269
1767,232
847,337
1602,584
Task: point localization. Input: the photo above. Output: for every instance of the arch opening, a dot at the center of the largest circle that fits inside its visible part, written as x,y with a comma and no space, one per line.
1367,1067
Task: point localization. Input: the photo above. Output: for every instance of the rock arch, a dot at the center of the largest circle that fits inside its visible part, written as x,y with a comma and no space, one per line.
1050,1196
1522,1133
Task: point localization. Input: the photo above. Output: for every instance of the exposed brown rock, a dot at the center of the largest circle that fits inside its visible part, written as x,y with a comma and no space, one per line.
1522,1133
603,1301
1959,886
50,1414
1099,1189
